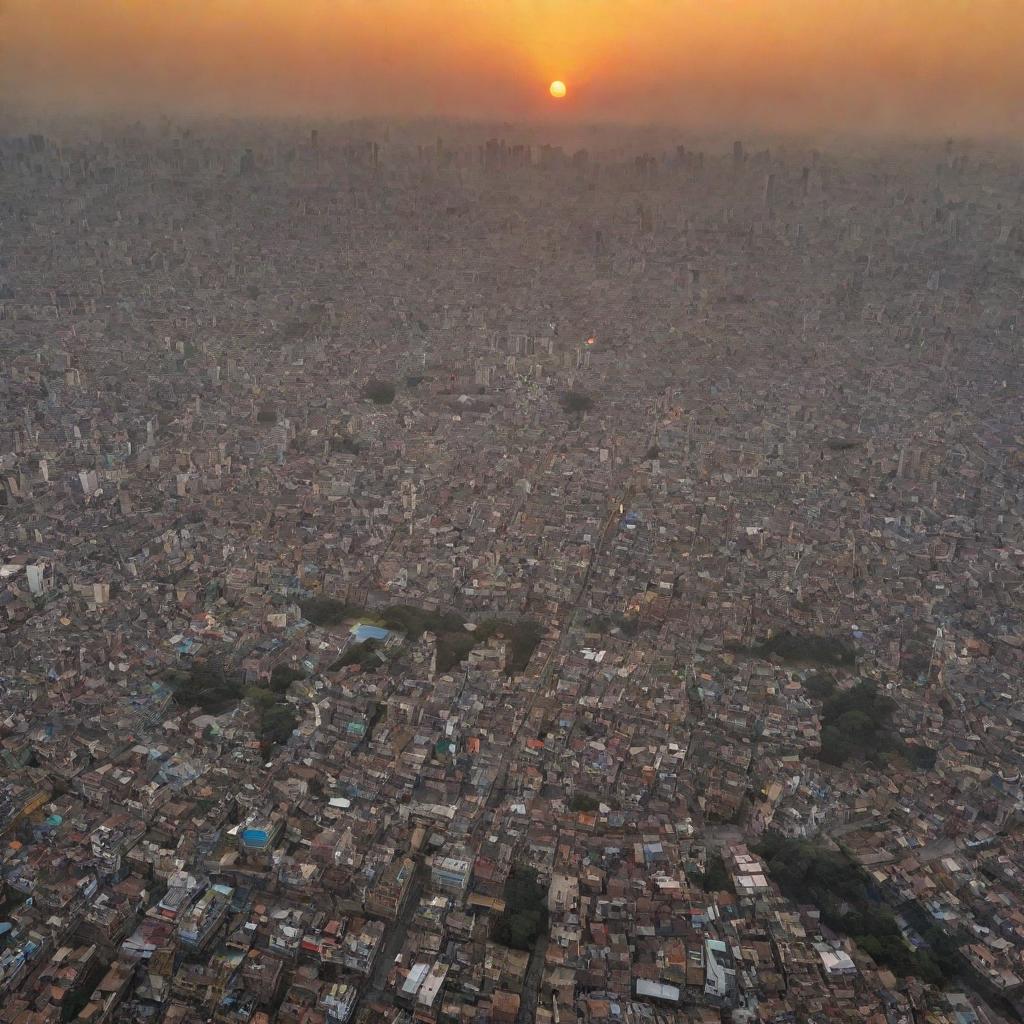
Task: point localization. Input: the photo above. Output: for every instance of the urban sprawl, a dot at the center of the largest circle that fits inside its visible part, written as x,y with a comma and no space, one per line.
452,575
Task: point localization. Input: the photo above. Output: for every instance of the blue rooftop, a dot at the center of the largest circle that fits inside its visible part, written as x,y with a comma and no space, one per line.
361,631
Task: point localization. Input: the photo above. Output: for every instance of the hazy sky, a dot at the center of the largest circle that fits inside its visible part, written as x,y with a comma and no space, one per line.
929,65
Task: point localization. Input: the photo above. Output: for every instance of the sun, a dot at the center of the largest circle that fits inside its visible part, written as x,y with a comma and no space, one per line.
557,89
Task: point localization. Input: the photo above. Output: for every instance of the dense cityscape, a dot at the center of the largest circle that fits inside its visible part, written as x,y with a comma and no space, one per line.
461,574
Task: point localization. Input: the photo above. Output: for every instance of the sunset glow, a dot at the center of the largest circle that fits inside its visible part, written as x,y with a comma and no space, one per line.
921,64
557,89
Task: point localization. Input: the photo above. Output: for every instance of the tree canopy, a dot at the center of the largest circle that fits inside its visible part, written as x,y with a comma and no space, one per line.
843,893
819,650
577,401
857,723
207,686
525,915
327,611
381,392
277,723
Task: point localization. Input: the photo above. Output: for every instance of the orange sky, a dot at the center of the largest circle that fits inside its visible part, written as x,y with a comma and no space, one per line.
929,65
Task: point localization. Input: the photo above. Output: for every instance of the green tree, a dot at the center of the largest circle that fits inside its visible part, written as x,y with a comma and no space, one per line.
362,654
327,611
380,392
260,698
577,402
277,723
819,686
857,723
208,686
716,878
283,676
525,916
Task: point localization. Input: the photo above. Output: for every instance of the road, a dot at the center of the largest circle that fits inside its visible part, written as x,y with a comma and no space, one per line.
531,983
395,937
397,932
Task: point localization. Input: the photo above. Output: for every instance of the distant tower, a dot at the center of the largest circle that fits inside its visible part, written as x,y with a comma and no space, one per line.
646,220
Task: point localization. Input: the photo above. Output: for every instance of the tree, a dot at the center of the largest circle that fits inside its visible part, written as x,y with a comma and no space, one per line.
523,637
260,698
843,893
857,723
346,443
276,724
525,916
579,402
819,686
362,654
381,392
207,686
326,611
921,756
716,878
819,650
283,676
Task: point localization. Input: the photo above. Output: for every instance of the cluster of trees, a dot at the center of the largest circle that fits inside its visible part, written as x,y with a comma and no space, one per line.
283,676
525,916
575,401
380,392
583,802
206,686
523,636
277,723
819,686
920,755
209,687
326,611
716,877
276,720
627,625
842,891
857,723
362,654
816,650
454,641
346,443
414,622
